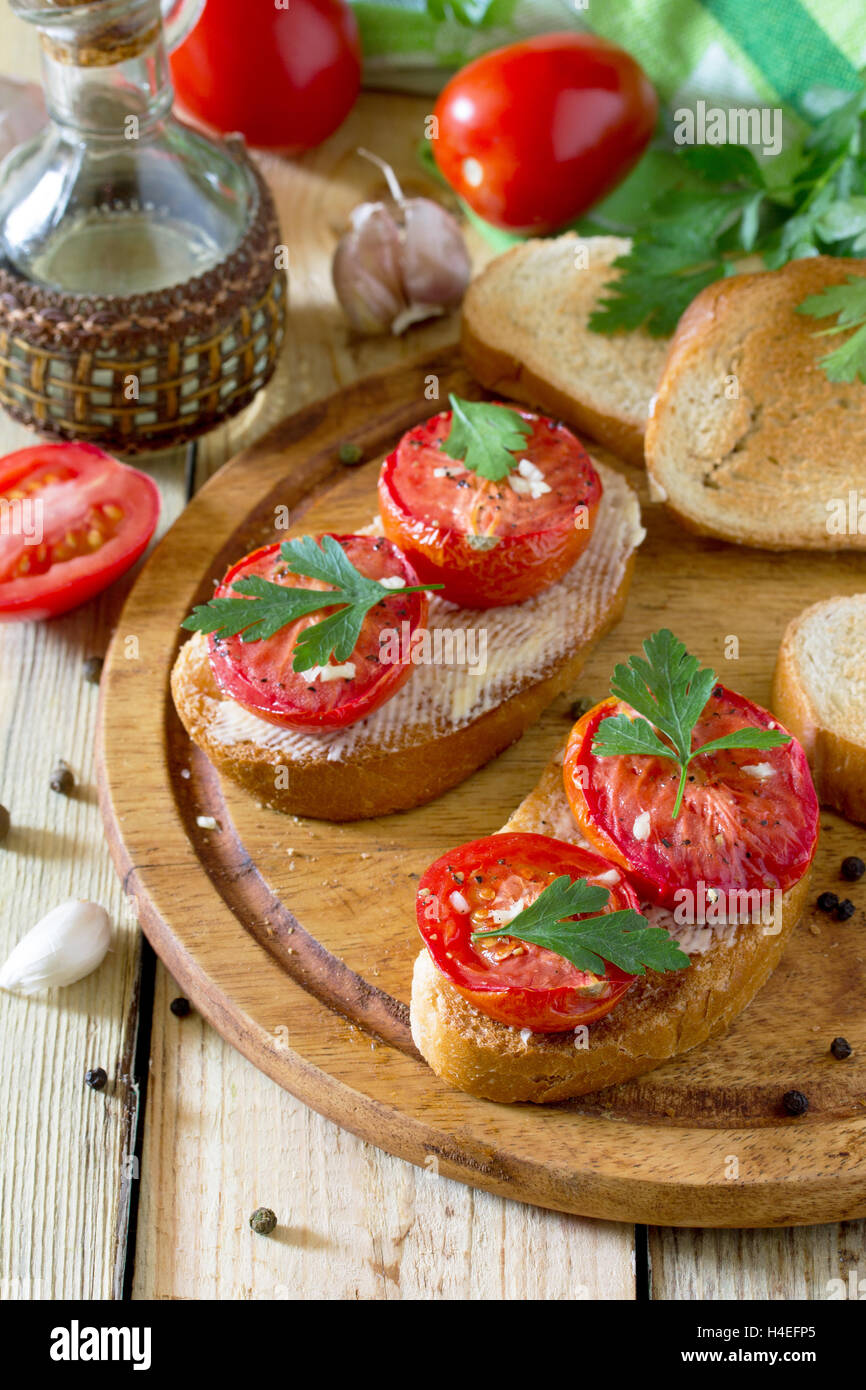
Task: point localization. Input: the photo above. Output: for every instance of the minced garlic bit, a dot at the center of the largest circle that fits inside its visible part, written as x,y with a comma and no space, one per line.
761,770
207,823
503,915
529,480
641,827
330,673
393,581
458,902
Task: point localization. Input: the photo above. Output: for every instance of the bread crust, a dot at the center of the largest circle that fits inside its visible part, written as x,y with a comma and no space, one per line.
787,384
661,1017
507,376
837,760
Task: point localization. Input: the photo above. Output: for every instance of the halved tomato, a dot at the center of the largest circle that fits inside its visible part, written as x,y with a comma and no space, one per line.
515,981
259,675
486,543
748,820
72,520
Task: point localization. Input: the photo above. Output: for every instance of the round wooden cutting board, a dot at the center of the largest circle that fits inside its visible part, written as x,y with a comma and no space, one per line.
296,938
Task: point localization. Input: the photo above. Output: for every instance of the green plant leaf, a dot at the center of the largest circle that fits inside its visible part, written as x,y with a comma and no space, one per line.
485,438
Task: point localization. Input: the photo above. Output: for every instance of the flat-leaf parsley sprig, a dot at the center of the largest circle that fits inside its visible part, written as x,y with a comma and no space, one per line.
670,689
848,361
624,938
485,438
267,607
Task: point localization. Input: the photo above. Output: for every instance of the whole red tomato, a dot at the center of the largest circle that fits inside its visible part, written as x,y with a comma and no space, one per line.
533,134
285,76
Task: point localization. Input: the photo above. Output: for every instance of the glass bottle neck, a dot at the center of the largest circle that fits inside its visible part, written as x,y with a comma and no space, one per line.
118,101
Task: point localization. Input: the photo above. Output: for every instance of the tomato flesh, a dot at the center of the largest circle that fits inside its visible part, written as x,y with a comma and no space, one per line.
516,982
748,821
286,78
534,134
259,675
486,543
72,520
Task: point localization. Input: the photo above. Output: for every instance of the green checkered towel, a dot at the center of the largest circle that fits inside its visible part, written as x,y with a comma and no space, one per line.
764,52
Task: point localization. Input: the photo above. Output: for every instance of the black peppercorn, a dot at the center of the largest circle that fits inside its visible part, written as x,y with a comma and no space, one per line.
5,823
96,1078
853,868
350,454
93,669
62,779
263,1221
845,910
827,901
841,1048
795,1102
179,1007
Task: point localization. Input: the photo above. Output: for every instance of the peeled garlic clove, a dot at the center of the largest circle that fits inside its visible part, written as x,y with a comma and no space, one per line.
367,270
436,265
68,943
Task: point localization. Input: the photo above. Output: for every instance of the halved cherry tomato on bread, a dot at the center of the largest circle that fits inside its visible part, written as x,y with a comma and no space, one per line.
259,675
533,134
749,819
515,981
485,542
72,520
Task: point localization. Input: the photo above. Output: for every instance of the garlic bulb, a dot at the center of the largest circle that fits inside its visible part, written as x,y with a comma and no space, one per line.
396,266
67,944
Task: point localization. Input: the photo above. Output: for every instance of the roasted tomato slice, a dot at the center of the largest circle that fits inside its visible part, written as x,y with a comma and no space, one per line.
485,542
72,519
514,981
259,675
748,821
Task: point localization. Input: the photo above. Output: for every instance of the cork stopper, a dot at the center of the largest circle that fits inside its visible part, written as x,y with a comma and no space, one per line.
102,34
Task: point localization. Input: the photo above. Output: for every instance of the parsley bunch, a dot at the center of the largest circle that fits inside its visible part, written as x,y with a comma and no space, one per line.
724,204
624,938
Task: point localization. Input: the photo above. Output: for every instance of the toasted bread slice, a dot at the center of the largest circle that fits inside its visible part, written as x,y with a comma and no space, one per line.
819,693
446,721
661,1017
525,335
748,440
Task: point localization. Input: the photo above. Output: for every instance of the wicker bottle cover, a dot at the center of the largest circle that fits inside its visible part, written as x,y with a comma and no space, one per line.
105,334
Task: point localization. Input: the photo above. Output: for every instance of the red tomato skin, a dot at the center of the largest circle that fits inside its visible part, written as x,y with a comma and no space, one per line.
286,78
250,695
445,933
552,124
777,860
48,595
517,568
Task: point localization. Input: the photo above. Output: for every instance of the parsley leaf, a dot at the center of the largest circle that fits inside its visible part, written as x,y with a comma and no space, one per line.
670,689
623,938
266,607
848,361
485,437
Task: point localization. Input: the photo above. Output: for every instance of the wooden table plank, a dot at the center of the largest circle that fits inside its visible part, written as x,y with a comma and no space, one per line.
799,1263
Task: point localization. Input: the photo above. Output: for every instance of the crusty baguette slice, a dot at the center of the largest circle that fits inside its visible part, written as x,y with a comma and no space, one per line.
748,440
445,721
819,693
661,1017
525,335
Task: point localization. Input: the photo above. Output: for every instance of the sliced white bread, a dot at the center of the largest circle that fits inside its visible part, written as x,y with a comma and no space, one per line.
661,1017
525,335
448,719
748,440
819,693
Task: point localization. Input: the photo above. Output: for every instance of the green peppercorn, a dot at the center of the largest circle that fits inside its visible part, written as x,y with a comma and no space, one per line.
96,1078
62,778
5,823
841,1048
93,669
263,1221
350,454
795,1102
